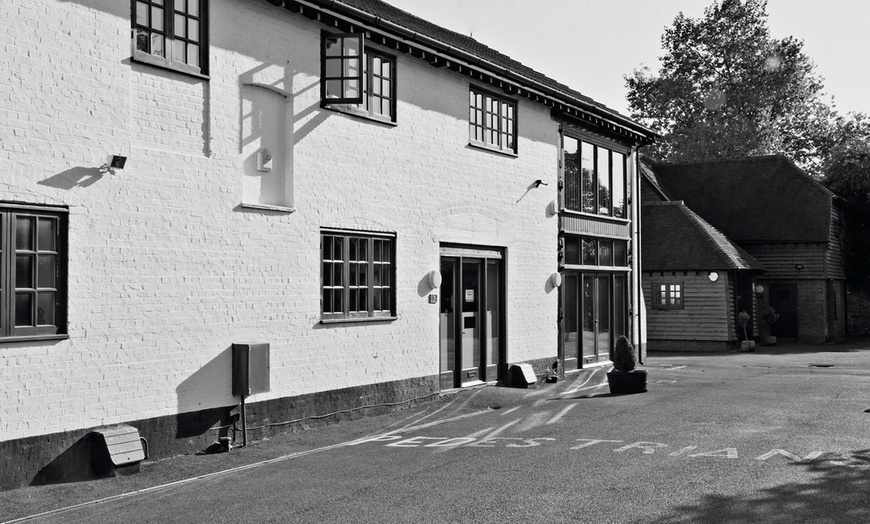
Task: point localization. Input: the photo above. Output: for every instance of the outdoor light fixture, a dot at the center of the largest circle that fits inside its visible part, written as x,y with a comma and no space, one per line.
434,279
538,183
713,276
759,289
551,209
556,279
114,162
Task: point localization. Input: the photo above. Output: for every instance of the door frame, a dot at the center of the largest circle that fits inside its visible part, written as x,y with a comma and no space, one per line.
483,257
581,360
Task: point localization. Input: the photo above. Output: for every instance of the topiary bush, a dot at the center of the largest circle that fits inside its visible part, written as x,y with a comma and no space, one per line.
625,358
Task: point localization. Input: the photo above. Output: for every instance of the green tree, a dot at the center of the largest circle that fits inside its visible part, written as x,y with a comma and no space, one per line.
726,89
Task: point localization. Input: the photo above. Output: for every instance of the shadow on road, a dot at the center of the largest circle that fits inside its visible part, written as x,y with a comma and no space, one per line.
837,493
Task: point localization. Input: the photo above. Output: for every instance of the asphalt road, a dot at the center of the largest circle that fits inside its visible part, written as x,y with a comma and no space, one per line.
766,437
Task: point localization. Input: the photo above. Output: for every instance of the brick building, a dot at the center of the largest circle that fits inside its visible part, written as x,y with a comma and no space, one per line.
375,197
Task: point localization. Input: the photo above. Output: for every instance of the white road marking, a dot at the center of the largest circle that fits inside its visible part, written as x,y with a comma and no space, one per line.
578,388
561,414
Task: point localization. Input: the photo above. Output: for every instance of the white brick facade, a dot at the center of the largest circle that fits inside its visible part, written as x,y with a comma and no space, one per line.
167,269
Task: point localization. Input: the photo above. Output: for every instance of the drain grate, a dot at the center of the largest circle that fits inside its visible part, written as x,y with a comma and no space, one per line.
821,365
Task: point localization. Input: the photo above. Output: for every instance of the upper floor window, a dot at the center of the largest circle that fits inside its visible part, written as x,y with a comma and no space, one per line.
668,295
594,178
492,121
356,78
171,33
32,271
358,279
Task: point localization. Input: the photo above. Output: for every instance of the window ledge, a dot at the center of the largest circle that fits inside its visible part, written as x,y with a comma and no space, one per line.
340,108
485,147
33,338
268,207
357,320
160,63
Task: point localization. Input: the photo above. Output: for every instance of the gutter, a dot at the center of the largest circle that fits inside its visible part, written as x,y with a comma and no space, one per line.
352,14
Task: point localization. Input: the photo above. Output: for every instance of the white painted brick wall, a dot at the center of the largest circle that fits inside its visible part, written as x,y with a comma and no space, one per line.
166,272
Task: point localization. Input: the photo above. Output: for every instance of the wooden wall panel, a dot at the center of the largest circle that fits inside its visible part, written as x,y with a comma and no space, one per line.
706,314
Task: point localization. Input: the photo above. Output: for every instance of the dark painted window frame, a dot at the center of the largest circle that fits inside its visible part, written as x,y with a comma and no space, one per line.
169,61
474,123
10,255
599,144
669,302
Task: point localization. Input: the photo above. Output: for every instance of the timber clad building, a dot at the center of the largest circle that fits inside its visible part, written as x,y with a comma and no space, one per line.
394,208
786,227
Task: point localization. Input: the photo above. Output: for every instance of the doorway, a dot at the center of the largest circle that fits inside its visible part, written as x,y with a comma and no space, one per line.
471,320
593,316
783,298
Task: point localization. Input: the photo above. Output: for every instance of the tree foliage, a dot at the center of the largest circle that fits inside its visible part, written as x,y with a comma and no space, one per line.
727,89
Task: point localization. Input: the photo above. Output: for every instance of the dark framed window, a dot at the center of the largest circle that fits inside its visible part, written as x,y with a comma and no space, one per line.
172,33
358,275
341,78
591,251
594,178
32,271
341,68
667,295
492,121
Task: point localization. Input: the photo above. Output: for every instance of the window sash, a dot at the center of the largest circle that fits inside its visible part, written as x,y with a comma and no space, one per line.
32,272
668,295
492,121
171,32
358,276
341,68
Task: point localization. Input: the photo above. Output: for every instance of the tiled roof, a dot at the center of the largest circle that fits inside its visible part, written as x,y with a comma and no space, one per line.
675,238
756,199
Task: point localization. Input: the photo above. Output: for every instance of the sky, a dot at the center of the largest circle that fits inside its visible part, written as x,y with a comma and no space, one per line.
590,45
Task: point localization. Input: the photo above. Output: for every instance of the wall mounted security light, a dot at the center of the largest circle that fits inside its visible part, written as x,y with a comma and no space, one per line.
434,279
759,289
538,183
113,162
713,276
556,279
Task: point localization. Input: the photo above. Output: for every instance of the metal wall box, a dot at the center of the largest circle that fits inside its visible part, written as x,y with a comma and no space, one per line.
250,368
124,447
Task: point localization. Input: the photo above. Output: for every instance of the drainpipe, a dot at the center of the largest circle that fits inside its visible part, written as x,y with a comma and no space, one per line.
636,281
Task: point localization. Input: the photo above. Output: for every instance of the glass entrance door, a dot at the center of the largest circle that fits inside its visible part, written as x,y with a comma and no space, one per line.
593,315
470,320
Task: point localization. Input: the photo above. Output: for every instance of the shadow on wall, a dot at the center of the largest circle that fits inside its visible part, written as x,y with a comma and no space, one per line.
836,493
76,464
78,176
205,399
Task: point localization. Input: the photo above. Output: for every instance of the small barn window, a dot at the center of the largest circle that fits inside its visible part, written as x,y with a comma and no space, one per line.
668,295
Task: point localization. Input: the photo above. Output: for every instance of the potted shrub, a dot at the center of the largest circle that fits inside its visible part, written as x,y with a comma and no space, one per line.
625,379
769,316
746,344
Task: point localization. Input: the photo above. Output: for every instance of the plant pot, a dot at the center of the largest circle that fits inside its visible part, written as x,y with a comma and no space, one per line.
747,345
627,383
769,341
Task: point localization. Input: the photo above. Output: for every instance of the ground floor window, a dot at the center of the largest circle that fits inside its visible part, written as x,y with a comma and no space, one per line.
358,275
32,270
667,295
594,313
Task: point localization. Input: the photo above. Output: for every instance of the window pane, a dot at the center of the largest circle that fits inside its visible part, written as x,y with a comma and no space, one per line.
620,255
590,252
605,253
142,13
24,271
603,173
571,168
47,234
157,45
193,29
337,279
142,40
363,274
193,7
158,2
353,300
24,233
24,309
339,248
333,46
156,18
178,50
193,54
46,304
327,301
619,185
333,67
376,295
587,173
338,301
352,88
333,89
46,271
180,26
363,299
351,46
572,250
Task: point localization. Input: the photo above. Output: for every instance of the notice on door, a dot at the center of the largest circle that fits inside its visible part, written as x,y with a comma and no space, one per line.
469,295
